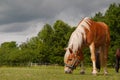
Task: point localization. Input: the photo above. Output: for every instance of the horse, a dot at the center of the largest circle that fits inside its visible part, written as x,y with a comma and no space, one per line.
92,34
117,55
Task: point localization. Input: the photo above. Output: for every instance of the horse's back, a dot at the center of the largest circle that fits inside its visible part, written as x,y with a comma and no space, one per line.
105,30
102,34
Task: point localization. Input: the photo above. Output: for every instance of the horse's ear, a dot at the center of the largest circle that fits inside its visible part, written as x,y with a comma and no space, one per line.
70,50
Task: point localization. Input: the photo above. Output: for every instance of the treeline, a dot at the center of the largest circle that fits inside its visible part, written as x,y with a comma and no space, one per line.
48,46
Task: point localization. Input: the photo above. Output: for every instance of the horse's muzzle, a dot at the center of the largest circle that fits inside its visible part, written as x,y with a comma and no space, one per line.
68,70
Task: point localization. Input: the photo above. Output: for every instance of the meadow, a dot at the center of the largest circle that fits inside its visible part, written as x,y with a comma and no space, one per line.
52,73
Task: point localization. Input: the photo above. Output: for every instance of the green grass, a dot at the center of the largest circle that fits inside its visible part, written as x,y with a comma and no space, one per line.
52,73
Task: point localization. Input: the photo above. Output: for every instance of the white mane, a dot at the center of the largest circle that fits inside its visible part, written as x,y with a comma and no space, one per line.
78,36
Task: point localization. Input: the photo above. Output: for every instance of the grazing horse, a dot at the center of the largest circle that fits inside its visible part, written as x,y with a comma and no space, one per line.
94,35
117,60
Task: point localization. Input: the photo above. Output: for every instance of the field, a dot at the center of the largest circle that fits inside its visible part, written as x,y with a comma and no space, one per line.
52,73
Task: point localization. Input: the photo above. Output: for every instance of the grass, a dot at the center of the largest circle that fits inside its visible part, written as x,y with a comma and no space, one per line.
52,73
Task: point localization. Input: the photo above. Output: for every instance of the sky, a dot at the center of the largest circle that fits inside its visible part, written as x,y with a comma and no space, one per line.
22,19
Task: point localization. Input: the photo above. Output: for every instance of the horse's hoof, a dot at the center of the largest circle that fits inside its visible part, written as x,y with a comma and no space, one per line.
82,72
94,74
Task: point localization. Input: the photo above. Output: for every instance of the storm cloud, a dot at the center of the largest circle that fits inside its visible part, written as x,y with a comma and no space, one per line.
20,19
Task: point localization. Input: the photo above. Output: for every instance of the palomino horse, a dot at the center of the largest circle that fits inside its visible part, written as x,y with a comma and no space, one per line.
117,60
89,33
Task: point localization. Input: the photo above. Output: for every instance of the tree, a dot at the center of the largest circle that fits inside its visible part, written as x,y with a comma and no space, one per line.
46,34
6,52
59,40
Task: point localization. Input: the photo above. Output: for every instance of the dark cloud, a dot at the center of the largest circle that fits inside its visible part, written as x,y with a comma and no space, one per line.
26,10
14,28
18,15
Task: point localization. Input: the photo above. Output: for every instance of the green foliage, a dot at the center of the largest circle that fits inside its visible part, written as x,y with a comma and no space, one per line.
55,39
48,46
7,52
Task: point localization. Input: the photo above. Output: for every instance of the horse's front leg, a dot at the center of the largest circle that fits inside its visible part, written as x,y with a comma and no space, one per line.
92,51
82,71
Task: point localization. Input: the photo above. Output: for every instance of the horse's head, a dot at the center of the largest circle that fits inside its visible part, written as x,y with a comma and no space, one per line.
71,60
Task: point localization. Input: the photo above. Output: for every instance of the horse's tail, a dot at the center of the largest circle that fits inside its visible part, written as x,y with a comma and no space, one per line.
97,56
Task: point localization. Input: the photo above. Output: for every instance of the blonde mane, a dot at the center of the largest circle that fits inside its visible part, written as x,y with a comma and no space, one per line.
78,36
